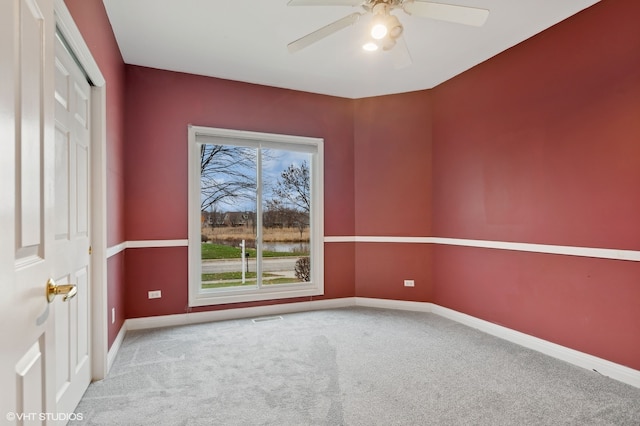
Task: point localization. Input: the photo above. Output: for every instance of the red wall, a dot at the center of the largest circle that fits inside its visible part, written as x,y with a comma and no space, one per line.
541,145
538,144
393,194
91,19
160,105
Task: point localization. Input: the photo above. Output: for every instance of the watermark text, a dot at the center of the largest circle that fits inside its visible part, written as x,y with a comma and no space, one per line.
11,416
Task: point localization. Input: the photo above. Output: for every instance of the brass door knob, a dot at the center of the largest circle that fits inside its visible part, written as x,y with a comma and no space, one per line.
53,289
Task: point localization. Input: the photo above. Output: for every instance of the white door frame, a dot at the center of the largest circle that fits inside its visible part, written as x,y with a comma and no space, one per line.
99,311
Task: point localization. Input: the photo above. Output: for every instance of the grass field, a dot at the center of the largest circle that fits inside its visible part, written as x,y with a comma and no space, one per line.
249,282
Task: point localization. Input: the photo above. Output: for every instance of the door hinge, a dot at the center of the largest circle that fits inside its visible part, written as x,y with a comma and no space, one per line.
90,250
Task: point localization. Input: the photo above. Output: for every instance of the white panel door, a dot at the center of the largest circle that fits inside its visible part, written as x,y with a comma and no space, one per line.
71,245
31,248
26,209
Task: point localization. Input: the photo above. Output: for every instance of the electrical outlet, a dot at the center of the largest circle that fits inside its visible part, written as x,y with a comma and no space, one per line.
409,283
113,315
156,294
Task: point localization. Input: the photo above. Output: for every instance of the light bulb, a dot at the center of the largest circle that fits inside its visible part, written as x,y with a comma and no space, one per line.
378,31
370,46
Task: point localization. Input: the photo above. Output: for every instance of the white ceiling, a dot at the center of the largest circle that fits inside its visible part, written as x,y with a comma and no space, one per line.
246,40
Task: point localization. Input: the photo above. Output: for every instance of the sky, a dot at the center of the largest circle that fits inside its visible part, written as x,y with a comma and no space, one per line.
274,162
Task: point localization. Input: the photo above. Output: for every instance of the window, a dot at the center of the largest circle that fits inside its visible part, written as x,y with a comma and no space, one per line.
255,216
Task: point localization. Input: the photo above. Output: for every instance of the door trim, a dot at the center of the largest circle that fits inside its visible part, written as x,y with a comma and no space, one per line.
99,312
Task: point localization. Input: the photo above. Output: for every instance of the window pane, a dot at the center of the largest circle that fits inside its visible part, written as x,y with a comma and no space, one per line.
286,206
228,186
254,190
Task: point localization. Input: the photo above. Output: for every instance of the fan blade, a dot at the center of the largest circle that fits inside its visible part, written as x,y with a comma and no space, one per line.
323,32
401,55
325,3
447,12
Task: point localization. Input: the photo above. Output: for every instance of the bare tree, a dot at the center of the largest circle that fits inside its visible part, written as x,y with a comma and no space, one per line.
277,215
227,175
292,197
293,187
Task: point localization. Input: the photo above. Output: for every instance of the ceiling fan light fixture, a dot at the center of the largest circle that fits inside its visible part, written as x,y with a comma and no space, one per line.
385,30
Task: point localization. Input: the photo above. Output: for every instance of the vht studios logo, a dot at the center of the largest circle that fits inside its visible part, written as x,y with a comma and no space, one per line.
21,417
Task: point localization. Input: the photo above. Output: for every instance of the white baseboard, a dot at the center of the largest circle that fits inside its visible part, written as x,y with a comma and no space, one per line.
115,347
607,368
400,305
229,314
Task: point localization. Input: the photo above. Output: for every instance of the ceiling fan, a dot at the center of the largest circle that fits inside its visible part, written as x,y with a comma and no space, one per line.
386,28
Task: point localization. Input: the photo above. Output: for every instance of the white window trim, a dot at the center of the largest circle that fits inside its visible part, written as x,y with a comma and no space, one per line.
198,297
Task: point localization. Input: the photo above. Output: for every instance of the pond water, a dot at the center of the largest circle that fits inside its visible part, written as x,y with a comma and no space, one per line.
286,247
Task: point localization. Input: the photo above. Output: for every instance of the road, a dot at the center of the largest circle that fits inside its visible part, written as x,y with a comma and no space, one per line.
276,264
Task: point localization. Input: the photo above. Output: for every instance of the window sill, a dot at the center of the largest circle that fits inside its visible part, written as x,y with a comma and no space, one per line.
238,296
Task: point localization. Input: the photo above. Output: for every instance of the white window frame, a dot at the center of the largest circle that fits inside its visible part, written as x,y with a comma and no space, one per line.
198,135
